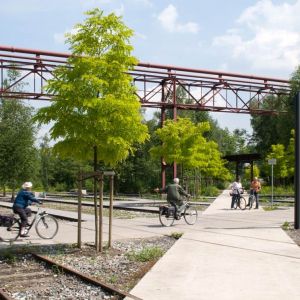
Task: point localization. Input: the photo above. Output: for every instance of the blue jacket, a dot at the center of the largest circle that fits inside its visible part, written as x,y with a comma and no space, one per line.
24,198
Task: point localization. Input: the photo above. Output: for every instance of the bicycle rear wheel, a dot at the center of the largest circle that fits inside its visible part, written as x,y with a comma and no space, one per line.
11,233
242,203
166,219
46,227
190,215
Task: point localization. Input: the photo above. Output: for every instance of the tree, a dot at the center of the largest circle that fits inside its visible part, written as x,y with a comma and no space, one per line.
184,143
18,156
281,168
95,106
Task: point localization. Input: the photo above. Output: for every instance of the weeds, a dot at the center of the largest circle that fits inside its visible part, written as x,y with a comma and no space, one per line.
176,235
286,226
146,254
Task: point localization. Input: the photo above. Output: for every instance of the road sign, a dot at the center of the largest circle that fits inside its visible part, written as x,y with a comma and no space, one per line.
272,161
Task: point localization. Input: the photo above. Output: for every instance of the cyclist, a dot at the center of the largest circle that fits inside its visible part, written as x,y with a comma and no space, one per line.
254,190
237,189
21,203
175,194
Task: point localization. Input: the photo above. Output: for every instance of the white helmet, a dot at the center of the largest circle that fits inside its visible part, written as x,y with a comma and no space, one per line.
176,180
27,185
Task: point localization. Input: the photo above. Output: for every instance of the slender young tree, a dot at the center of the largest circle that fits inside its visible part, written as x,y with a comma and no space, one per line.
96,113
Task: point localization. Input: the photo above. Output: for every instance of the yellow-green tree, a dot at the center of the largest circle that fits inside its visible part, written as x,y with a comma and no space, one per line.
95,104
280,169
183,142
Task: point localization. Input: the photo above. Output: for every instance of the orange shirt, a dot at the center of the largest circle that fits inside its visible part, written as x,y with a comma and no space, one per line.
255,185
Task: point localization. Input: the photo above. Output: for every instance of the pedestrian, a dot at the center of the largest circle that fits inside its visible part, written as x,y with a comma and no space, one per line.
24,198
255,189
175,195
236,189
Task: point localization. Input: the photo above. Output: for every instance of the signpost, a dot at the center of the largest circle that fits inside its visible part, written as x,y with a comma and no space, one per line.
272,162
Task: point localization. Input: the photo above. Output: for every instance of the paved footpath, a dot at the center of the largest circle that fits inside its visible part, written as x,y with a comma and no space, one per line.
228,254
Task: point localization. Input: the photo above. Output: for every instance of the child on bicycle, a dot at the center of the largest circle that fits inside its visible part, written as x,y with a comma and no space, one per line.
21,203
175,194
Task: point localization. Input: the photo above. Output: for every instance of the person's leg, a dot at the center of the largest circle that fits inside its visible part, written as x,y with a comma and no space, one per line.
23,216
233,199
256,199
180,206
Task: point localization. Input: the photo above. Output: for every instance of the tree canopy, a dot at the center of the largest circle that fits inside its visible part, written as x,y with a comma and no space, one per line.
95,103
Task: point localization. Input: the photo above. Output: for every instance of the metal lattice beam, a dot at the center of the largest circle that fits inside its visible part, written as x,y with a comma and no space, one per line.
156,84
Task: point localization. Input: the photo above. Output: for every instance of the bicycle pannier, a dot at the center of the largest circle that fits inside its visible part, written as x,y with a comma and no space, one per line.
6,221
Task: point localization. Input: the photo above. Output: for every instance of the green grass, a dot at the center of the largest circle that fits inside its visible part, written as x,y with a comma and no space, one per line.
270,207
176,235
147,254
286,225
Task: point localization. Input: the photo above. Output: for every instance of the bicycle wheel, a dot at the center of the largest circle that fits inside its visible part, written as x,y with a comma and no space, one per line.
242,203
166,219
46,227
190,215
11,233
235,202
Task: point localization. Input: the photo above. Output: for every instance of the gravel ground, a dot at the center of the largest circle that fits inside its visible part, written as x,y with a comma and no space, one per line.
122,266
293,233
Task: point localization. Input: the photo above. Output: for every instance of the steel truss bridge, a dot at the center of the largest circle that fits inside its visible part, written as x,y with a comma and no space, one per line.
157,85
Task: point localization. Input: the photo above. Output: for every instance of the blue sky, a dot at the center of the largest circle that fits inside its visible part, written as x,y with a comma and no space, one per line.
251,37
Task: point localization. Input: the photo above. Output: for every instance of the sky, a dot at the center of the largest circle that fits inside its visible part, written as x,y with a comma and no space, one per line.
251,37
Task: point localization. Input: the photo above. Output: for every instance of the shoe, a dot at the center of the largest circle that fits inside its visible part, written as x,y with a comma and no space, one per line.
256,208
24,235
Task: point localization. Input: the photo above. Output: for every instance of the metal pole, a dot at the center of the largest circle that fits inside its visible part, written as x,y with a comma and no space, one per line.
111,195
297,163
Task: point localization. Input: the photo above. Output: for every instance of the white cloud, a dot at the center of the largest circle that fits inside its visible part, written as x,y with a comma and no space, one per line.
267,36
169,20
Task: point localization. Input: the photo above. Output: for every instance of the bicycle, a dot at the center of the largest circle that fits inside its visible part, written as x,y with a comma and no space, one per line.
239,201
168,214
46,226
252,200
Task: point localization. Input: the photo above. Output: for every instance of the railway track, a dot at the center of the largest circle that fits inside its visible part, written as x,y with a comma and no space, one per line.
34,276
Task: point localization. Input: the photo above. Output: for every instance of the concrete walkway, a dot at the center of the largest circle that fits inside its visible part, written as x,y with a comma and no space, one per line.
228,254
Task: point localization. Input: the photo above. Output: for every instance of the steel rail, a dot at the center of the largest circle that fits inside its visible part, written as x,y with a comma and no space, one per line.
85,277
4,295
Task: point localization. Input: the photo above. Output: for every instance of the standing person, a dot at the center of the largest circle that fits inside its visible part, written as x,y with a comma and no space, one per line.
255,189
236,189
175,194
21,203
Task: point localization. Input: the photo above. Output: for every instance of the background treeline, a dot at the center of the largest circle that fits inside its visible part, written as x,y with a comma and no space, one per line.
23,157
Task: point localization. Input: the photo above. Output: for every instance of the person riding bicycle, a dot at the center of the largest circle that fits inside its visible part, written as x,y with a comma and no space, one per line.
175,194
21,203
254,190
236,189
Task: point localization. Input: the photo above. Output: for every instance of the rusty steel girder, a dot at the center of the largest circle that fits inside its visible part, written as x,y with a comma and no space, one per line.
156,85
